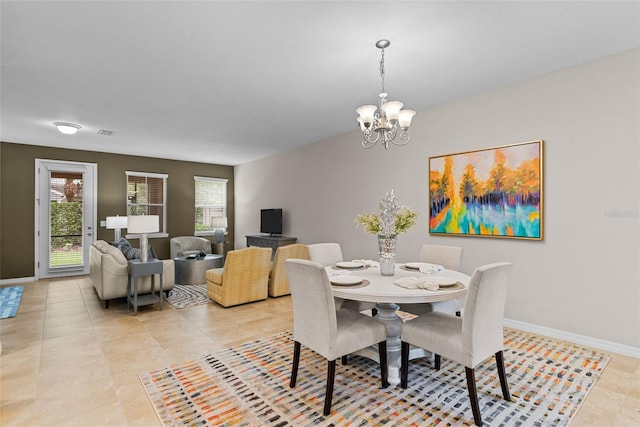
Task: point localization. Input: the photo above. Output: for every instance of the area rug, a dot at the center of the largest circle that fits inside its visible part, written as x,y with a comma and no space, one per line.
10,301
249,386
182,296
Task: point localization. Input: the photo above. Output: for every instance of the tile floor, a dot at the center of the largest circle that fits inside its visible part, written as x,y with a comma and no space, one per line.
68,361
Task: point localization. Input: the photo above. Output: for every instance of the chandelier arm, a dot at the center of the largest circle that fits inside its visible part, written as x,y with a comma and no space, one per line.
390,134
368,144
403,138
369,139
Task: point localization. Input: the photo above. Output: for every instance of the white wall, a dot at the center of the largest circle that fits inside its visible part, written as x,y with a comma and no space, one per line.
583,278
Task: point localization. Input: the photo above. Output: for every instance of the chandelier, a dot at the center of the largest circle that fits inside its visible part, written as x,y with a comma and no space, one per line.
390,123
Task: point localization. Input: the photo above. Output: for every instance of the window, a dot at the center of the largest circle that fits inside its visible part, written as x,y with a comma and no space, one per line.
211,202
147,195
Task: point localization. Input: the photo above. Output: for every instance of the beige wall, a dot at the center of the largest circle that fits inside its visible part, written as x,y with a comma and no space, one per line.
583,278
17,201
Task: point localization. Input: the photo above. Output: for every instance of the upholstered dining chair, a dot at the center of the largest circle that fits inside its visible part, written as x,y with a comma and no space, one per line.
278,282
188,245
450,257
244,277
469,339
329,254
319,326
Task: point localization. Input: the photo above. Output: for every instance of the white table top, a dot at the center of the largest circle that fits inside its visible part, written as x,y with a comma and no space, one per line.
378,288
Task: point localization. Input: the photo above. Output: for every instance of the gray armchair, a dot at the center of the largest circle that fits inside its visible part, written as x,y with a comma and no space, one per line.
188,245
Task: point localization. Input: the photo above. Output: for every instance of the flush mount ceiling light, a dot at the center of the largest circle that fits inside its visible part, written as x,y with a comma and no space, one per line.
390,123
67,128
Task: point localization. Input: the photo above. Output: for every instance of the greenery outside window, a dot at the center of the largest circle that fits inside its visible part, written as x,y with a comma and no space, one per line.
147,195
210,202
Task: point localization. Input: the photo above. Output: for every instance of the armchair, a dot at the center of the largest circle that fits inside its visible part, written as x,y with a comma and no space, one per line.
187,245
243,279
278,282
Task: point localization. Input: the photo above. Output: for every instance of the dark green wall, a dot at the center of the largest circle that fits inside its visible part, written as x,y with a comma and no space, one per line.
17,186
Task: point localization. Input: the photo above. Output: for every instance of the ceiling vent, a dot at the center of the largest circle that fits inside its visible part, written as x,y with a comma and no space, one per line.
105,132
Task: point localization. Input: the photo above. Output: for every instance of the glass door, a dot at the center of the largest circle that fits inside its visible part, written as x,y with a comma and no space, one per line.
65,217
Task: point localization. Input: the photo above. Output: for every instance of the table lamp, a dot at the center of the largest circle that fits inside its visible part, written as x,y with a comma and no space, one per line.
219,224
116,223
143,225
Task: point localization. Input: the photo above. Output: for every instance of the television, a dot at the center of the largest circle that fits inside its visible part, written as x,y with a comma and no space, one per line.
271,221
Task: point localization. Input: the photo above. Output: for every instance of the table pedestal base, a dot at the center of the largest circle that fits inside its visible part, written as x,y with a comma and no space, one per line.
387,314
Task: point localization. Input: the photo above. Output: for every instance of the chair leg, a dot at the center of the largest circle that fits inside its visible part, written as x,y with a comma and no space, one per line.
437,361
296,361
331,374
503,376
382,355
473,396
404,365
374,311
345,360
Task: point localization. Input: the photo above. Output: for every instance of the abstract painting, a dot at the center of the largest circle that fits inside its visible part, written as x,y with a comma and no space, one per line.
493,192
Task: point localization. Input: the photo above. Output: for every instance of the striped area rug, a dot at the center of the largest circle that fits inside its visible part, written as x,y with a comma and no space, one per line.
249,386
10,301
182,296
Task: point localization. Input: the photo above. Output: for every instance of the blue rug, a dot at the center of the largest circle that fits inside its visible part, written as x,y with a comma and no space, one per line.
10,300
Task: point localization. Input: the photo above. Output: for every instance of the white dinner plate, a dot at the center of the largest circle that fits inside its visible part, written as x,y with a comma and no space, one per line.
443,281
345,280
414,265
348,264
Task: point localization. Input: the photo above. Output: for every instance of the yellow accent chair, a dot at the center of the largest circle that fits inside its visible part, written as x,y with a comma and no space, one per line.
278,282
244,278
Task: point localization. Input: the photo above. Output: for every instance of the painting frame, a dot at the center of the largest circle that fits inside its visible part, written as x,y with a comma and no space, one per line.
489,192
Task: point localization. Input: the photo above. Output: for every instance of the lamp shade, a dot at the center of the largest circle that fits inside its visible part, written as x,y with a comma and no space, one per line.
219,222
366,113
114,222
143,224
391,109
404,118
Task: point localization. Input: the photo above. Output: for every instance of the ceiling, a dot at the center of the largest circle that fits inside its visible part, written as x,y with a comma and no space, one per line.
229,82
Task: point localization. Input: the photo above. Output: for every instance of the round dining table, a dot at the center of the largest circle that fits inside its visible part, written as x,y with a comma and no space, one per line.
381,290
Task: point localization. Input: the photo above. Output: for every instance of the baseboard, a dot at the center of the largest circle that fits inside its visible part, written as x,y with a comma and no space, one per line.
17,280
613,347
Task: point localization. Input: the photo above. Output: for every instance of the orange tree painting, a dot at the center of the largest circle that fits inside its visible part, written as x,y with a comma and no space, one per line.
491,192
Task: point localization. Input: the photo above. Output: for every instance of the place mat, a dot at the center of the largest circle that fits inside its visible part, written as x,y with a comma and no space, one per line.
248,385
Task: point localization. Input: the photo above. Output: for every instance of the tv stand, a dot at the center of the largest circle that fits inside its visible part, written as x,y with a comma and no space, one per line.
270,241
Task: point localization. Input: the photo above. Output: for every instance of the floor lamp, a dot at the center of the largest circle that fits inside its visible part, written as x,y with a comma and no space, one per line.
143,225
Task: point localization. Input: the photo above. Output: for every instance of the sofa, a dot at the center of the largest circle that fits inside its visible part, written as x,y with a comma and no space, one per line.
109,272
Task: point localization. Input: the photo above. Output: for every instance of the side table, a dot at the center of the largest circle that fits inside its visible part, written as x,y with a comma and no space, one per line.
137,269
191,271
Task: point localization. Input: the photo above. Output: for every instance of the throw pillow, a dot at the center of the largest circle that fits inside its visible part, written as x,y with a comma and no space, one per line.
134,253
130,252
